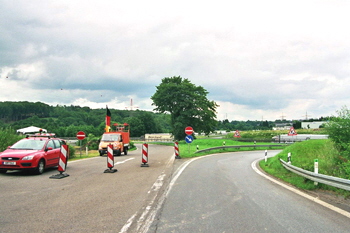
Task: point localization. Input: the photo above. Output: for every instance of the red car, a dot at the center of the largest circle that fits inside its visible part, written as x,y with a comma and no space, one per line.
33,153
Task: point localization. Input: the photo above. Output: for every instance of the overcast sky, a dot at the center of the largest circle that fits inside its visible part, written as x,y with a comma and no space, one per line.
257,59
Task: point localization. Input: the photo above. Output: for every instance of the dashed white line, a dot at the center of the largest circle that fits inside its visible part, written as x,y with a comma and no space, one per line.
120,162
148,214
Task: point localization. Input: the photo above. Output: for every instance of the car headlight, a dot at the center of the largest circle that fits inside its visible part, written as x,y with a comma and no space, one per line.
29,157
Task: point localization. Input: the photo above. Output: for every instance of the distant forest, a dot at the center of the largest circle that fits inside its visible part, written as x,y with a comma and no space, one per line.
66,121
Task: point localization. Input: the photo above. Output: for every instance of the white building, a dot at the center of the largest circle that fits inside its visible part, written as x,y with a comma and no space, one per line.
312,125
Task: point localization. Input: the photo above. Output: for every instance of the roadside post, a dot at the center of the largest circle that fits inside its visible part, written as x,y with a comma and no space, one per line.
110,160
80,137
289,161
144,155
62,164
176,147
316,169
265,156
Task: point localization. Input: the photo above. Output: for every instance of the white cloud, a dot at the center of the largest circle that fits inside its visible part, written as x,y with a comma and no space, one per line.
258,59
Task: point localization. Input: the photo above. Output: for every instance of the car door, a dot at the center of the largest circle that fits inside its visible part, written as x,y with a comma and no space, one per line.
52,153
57,151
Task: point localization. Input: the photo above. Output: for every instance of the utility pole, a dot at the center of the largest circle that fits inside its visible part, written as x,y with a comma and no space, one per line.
306,116
131,107
283,117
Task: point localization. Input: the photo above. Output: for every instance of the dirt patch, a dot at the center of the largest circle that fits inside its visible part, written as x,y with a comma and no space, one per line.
331,197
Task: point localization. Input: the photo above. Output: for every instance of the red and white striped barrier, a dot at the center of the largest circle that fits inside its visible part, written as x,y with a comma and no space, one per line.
177,154
110,157
62,163
110,160
144,155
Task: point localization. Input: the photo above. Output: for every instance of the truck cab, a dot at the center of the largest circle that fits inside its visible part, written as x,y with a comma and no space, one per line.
119,140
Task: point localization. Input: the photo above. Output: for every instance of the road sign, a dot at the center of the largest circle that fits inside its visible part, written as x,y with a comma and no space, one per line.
189,130
81,135
189,139
237,134
292,132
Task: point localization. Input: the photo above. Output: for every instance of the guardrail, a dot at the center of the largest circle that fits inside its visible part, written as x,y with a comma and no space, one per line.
324,179
237,147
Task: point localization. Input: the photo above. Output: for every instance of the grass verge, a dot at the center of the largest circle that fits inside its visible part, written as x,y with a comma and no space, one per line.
303,155
188,150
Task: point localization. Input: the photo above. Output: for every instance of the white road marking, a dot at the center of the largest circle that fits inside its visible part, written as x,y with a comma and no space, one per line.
80,160
128,224
120,162
149,213
315,199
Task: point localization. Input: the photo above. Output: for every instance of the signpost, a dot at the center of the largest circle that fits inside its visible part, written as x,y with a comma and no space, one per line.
80,136
189,138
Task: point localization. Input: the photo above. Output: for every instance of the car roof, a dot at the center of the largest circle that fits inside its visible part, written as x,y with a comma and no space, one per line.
41,135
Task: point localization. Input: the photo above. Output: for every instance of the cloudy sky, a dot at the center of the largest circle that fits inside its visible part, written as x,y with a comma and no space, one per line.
257,59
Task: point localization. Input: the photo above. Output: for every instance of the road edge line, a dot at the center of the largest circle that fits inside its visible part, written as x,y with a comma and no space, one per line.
307,196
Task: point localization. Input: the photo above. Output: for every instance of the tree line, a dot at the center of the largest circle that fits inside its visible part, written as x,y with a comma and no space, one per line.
66,121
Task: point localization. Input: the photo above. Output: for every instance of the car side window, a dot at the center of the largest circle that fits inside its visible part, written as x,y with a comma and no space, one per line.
50,144
57,143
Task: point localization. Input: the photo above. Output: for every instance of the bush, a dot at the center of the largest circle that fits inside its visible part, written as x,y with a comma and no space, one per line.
71,151
131,145
338,129
92,142
7,138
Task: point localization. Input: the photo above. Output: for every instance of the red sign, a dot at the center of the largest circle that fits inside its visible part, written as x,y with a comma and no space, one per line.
237,134
80,135
292,132
189,130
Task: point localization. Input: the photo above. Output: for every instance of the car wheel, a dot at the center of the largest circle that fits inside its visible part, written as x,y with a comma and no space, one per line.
40,168
3,171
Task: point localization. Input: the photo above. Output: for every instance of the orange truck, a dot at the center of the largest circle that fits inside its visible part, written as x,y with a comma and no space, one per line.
119,139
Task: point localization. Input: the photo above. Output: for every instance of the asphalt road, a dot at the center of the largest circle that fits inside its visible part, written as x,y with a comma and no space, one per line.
223,193
88,200
218,193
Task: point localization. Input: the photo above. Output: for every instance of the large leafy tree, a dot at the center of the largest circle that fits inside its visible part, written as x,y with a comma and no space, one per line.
187,104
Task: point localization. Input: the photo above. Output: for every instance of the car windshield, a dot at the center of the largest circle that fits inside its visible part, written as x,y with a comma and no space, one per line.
110,137
28,144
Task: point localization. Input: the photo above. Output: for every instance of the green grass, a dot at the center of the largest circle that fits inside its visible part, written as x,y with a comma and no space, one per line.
91,153
188,150
303,155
